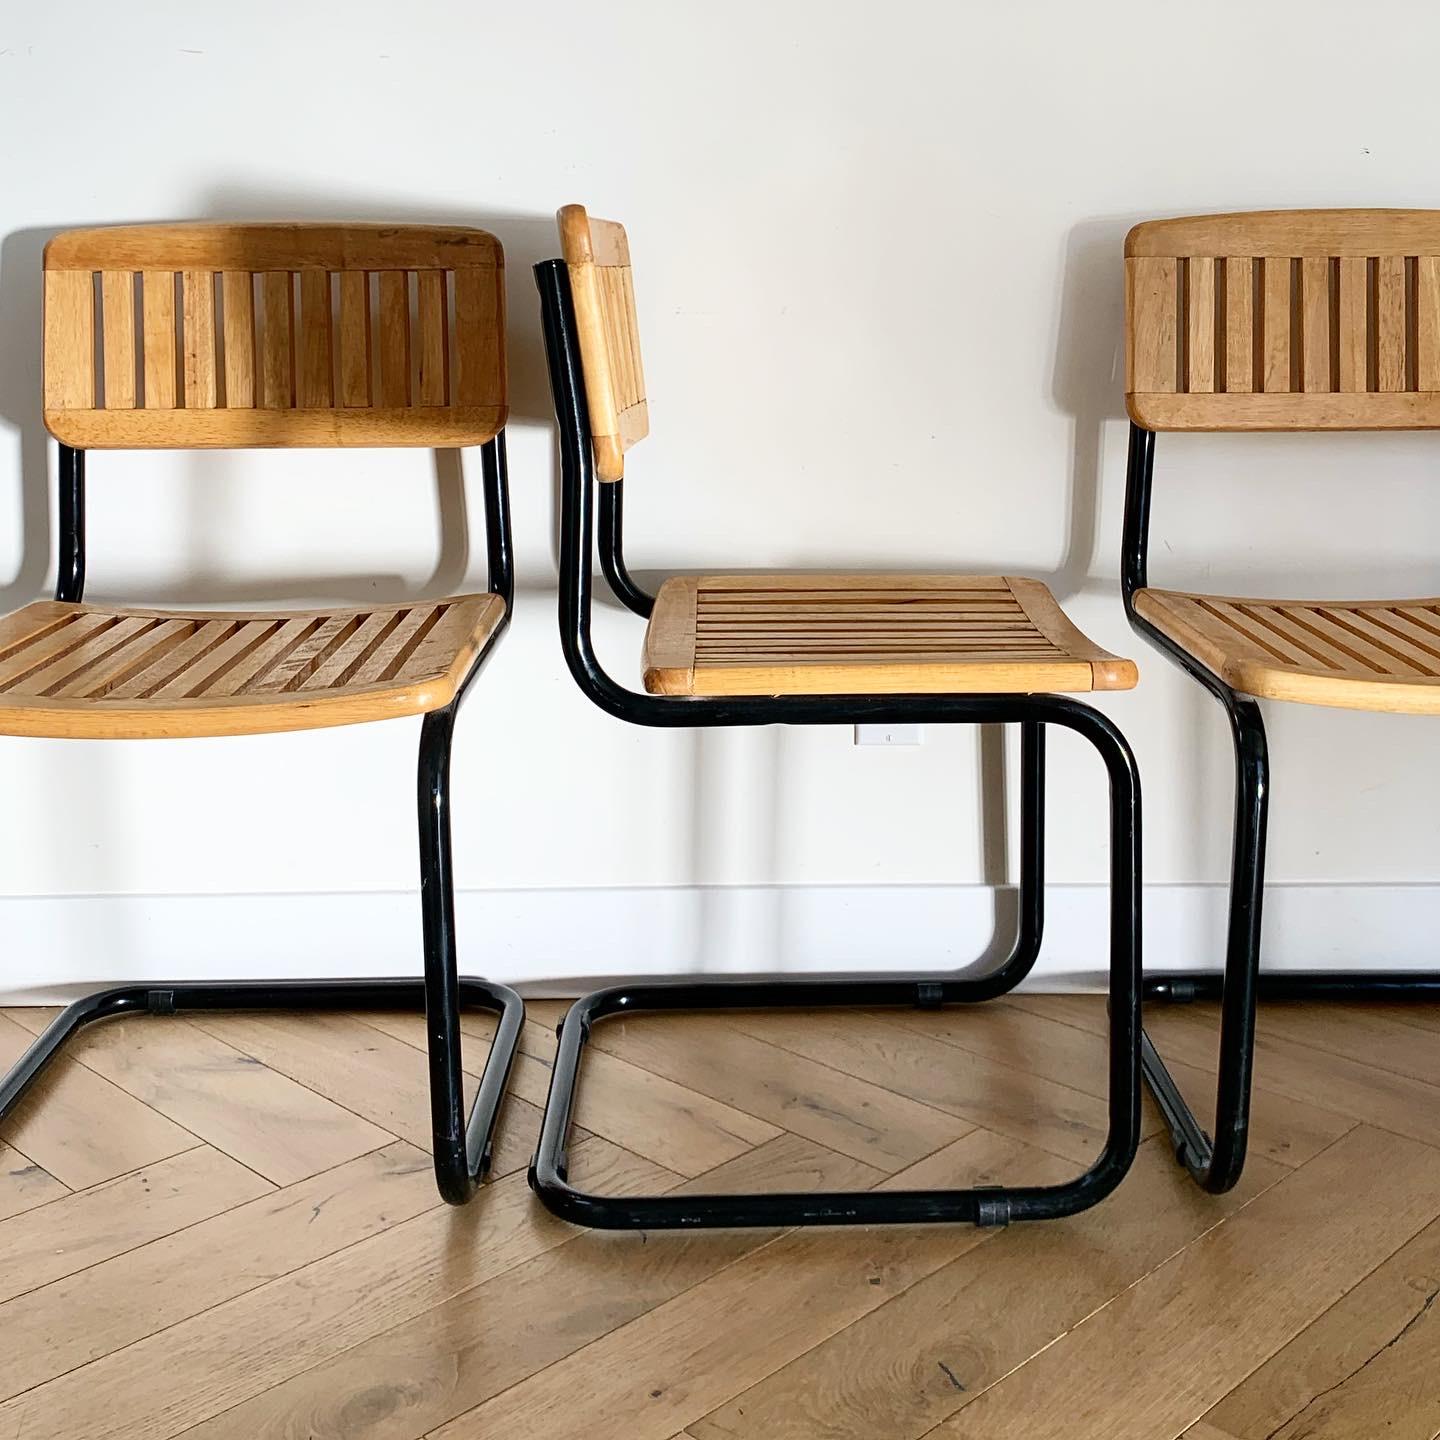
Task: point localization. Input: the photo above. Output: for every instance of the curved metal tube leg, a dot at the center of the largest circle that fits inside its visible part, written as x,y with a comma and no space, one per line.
1217,1164
462,1150
984,1206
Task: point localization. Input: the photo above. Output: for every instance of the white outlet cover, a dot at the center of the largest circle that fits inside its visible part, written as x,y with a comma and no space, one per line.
889,734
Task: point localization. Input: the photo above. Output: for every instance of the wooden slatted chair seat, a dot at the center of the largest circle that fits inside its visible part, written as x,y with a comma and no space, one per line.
796,634
1354,654
101,672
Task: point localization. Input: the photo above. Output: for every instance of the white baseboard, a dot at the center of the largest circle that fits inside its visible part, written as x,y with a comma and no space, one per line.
558,941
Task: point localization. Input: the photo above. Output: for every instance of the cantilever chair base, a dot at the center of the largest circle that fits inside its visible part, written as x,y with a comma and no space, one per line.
459,1168
772,675
1215,644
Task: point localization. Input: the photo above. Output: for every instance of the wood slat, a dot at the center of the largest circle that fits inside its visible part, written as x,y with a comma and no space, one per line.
197,290
1151,355
1200,337
157,290
1427,322
479,319
432,339
227,429
1315,323
1406,410
1290,232
393,339
237,299
259,247
315,378
69,340
117,299
1277,324
1390,322
354,338
277,382
1239,324
1354,324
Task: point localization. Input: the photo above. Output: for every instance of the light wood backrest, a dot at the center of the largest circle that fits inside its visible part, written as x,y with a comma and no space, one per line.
1285,320
180,336
598,257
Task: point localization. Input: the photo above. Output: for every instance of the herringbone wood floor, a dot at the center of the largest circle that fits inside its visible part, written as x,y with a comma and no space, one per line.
227,1227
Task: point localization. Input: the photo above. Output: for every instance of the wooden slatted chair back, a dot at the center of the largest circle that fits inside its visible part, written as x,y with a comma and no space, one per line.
597,254
180,336
1285,320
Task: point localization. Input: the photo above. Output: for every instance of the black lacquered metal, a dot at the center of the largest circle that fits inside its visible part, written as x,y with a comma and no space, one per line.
1217,1163
462,1146
997,1205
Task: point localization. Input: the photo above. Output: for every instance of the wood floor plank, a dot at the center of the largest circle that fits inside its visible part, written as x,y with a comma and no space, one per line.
1286,1128
1159,1355
112,1304
181,1376
79,1231
460,1353
373,1072
267,1120
841,1112
901,1369
674,1125
680,1360
1371,1038
1014,1102
23,1184
79,1127
1367,1367
1382,1098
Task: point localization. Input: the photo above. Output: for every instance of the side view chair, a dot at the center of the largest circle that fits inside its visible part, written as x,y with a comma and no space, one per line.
796,649
1278,320
189,336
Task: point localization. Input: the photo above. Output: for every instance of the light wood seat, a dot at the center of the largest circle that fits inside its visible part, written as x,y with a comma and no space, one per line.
1354,654
796,634
96,672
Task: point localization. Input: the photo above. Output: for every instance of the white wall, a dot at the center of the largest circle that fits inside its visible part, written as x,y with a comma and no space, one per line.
878,259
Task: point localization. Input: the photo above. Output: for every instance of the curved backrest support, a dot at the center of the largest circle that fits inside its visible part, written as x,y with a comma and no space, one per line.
1285,320
597,254
181,336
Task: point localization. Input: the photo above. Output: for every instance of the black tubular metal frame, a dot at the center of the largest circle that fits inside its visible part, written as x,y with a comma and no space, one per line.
986,1205
462,1148
1217,1163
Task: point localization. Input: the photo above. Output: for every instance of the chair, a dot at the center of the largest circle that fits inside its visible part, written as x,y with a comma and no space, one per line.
1278,320
154,338
816,650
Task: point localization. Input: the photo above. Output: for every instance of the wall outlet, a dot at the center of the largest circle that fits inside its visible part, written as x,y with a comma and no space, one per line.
888,734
